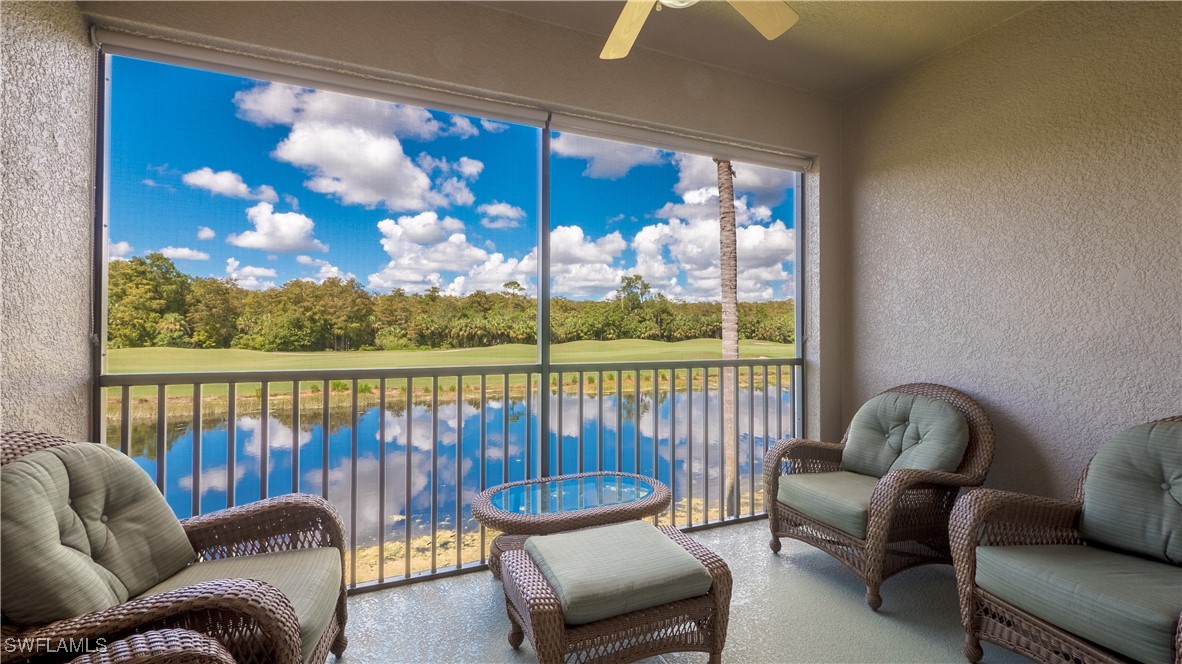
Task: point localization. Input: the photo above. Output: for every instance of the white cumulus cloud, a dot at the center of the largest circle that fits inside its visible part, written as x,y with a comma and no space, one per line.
351,147
184,254
462,127
119,251
766,186
605,159
324,270
287,232
228,183
500,215
205,233
249,276
493,127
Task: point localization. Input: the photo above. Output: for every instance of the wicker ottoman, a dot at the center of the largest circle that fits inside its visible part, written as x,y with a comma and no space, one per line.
692,624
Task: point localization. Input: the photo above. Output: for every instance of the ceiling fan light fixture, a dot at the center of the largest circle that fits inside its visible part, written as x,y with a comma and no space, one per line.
678,4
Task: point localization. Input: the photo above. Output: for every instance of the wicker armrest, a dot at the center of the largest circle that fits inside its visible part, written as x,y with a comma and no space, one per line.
994,517
162,646
224,608
293,521
811,456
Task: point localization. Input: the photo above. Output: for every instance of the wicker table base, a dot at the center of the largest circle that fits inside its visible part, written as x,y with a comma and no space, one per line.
694,624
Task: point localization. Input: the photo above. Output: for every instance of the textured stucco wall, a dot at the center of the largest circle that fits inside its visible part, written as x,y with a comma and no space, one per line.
46,128
1014,221
476,49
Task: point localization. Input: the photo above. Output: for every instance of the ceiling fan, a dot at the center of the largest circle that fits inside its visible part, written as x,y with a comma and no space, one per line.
771,17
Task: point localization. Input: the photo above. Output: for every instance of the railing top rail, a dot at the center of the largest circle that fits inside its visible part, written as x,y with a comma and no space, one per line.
291,375
675,364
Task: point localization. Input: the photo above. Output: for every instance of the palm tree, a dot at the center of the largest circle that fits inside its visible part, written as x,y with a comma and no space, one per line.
728,263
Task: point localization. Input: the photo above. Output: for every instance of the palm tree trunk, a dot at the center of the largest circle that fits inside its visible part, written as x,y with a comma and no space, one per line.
728,263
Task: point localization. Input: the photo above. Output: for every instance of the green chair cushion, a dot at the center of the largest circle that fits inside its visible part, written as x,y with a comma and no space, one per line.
82,528
840,499
1133,492
1125,603
895,430
310,578
602,572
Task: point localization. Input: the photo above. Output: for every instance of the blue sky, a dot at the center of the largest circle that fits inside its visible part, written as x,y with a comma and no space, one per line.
263,183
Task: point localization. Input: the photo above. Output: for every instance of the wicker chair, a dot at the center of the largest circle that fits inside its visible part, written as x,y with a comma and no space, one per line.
252,619
906,521
1000,519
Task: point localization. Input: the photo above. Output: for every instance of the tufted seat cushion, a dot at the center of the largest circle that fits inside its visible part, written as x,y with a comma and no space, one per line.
1125,603
82,528
1133,492
309,578
840,499
608,571
896,430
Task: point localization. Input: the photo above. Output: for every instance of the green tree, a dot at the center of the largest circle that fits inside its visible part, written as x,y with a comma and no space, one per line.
212,309
140,292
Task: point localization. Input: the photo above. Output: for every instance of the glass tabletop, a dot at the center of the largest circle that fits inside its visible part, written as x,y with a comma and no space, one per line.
577,493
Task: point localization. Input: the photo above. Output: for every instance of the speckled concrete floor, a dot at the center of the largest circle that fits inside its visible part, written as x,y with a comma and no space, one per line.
798,606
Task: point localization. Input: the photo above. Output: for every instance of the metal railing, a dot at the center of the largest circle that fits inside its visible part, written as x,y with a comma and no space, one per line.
401,453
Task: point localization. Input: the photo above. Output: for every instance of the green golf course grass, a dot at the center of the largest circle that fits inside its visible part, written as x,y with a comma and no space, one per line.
170,360
184,360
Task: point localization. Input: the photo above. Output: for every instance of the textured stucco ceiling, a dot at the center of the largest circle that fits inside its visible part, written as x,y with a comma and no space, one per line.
835,49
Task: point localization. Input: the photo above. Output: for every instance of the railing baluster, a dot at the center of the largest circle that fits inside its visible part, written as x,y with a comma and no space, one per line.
689,448
406,504
161,431
295,436
561,391
619,421
196,449
529,426
231,441
636,422
706,445
264,438
750,437
381,479
599,420
325,401
737,497
353,486
459,471
579,466
506,404
125,420
434,469
779,402
656,425
484,448
673,447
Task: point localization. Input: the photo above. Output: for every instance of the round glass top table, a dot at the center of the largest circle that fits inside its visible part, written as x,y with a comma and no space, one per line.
565,502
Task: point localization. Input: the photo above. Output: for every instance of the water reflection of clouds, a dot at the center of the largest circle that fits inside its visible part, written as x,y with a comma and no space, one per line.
279,435
212,479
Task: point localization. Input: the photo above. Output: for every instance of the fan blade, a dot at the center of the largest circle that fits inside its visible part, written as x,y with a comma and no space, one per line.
771,17
620,41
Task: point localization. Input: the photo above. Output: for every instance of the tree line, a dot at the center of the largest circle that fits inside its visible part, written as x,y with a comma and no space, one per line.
152,303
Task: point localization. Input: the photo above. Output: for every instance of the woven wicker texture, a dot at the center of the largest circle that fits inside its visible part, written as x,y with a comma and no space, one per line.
1002,518
516,527
695,624
907,520
252,619
163,646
